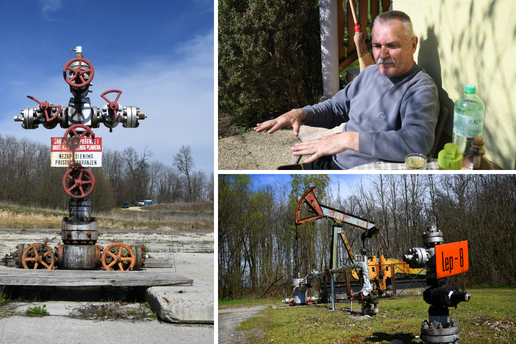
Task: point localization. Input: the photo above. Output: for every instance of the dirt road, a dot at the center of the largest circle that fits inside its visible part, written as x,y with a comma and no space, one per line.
231,318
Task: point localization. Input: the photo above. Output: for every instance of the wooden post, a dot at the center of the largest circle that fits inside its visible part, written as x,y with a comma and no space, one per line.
393,279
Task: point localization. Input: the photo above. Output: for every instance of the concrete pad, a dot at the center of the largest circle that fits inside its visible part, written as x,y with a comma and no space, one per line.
190,303
58,329
182,304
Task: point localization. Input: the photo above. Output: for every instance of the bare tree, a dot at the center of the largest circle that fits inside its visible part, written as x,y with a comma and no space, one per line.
184,163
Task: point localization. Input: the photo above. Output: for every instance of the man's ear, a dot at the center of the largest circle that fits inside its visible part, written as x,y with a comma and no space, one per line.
413,44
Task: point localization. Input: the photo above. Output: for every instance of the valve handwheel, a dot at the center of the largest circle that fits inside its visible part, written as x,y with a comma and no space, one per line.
78,73
80,182
118,256
44,106
113,105
360,297
75,138
38,255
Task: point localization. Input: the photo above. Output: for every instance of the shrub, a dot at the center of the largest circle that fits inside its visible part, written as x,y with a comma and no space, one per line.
269,58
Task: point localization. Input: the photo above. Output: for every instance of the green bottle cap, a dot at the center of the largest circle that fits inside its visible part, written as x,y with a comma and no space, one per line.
450,158
470,89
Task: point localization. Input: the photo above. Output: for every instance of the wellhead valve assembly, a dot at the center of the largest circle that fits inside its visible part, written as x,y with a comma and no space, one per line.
78,149
441,261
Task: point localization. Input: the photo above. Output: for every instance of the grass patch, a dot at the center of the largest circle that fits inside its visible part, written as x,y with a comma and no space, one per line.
3,297
246,303
113,311
488,318
37,311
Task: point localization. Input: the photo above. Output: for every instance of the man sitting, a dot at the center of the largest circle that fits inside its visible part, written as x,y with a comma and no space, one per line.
390,109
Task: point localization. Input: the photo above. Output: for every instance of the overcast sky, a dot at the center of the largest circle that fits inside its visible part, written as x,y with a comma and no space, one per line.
159,53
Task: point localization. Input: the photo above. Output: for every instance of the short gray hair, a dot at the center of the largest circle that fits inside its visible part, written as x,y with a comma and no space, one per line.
386,18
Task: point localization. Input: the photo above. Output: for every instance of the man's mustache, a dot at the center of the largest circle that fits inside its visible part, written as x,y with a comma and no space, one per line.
387,60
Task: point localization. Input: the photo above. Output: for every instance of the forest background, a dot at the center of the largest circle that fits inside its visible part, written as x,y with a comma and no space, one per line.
257,241
127,175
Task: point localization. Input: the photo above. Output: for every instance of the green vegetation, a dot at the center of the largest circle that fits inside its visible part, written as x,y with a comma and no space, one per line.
37,311
269,58
235,303
113,311
154,315
488,318
3,298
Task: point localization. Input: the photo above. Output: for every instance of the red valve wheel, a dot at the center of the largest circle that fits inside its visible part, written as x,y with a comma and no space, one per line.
118,256
291,302
75,138
78,73
38,256
360,297
350,297
310,302
113,105
44,106
80,182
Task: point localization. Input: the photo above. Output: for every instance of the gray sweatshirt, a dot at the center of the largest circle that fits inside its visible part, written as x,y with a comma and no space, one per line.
394,117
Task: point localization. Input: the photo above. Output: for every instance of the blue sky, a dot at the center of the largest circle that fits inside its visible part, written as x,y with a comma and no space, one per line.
345,180
159,53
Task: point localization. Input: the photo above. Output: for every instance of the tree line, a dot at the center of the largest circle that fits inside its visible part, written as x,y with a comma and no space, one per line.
259,254
125,176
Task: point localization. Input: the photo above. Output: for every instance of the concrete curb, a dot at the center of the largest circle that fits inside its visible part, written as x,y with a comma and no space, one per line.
182,304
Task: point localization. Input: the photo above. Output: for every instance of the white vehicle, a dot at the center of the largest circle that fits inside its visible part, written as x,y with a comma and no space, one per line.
145,202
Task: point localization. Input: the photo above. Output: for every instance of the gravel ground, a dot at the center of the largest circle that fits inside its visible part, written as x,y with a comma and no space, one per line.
230,319
262,151
257,151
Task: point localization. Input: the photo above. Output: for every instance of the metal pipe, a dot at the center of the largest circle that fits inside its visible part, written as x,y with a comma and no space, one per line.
329,47
332,294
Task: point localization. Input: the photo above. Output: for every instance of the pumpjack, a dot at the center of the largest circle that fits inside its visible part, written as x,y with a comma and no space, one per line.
367,296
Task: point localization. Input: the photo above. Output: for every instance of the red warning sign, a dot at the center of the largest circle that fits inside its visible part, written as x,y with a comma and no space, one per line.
88,153
451,259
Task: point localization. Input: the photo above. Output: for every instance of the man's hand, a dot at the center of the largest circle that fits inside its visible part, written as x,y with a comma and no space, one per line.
327,145
292,118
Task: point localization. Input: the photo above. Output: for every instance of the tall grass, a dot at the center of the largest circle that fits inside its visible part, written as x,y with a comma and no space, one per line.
177,216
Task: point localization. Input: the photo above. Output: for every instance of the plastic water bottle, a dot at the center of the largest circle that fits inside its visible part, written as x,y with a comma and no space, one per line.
468,119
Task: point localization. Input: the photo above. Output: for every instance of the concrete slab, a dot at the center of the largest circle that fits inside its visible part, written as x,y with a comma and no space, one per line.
60,330
189,303
182,305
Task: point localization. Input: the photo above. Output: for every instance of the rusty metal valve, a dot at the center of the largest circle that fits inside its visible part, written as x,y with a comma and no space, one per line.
118,256
38,256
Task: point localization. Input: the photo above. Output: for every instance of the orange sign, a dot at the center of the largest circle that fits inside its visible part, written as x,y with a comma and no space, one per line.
451,259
